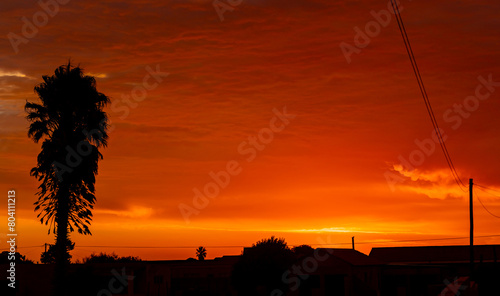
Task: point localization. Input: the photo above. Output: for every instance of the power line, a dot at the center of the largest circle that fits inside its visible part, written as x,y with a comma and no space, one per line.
409,240
486,209
214,247
161,247
140,247
37,246
484,187
367,242
420,82
241,246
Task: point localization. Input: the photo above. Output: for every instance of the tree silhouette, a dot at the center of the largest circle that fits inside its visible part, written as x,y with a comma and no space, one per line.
71,122
261,267
201,253
49,256
7,257
108,258
303,251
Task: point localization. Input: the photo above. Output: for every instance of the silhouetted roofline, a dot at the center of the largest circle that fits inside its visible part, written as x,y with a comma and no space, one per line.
436,254
352,257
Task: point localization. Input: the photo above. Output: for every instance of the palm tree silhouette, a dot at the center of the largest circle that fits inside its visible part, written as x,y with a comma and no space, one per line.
201,253
71,122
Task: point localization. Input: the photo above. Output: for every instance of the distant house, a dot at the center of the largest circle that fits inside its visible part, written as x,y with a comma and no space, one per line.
190,277
340,272
142,278
343,272
436,254
438,270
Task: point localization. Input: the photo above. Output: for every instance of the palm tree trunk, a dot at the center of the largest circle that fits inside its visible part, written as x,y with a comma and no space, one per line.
61,253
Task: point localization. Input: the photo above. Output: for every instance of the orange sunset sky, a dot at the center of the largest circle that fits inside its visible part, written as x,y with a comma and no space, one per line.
320,177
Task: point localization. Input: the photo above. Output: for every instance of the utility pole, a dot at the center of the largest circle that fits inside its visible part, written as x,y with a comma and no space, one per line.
471,216
353,243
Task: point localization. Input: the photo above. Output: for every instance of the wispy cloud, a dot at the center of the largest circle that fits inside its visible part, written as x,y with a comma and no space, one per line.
134,212
4,73
437,183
